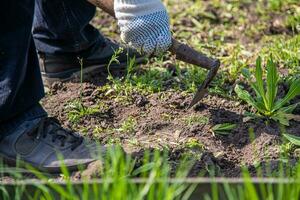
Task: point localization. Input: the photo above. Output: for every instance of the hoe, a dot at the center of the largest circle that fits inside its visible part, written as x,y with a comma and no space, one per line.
182,52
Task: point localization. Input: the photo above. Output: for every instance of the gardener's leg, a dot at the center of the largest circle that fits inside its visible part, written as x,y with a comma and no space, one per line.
21,85
25,130
62,26
62,33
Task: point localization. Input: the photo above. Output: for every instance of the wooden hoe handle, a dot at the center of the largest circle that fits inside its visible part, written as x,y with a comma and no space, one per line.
189,55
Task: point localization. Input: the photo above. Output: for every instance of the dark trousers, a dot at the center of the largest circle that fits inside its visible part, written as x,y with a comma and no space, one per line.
62,26
59,26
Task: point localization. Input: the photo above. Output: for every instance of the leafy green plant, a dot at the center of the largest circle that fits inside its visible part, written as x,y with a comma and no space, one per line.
275,4
295,140
293,21
223,129
76,110
286,149
266,101
195,119
113,59
192,78
128,126
194,143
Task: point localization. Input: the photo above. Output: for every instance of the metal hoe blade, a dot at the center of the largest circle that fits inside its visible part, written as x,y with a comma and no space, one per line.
202,90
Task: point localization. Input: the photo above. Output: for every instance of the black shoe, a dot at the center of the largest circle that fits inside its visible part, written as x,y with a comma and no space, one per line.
44,144
63,68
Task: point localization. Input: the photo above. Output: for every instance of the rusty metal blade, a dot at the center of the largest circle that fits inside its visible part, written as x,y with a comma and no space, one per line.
202,90
198,96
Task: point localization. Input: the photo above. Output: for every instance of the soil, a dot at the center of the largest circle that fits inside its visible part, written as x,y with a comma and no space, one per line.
160,118
160,124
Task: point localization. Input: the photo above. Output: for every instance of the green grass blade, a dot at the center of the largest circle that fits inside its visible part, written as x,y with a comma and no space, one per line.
145,168
187,195
258,86
293,92
292,138
272,84
250,191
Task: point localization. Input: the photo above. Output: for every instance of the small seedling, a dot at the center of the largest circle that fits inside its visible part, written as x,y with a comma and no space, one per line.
133,142
166,117
286,149
98,130
266,101
275,5
76,110
128,126
193,143
195,119
223,129
114,59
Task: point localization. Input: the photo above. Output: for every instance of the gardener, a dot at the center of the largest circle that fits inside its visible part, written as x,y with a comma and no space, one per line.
61,33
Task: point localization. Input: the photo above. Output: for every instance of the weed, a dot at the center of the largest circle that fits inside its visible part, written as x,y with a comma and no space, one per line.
193,149
293,20
234,61
166,117
285,51
112,140
114,59
196,119
223,129
286,149
275,4
77,110
152,80
192,78
98,131
130,67
133,142
266,102
128,126
194,143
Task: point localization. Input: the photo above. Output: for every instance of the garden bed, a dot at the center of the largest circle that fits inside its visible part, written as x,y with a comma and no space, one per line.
161,120
145,108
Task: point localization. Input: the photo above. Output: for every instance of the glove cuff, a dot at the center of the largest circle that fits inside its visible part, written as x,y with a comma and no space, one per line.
125,9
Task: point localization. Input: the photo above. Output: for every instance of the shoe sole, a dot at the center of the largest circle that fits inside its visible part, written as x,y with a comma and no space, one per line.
51,170
50,78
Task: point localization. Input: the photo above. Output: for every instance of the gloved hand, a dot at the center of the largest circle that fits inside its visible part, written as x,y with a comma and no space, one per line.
144,25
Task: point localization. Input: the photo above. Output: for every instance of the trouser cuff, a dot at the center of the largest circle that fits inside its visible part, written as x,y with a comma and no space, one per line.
34,112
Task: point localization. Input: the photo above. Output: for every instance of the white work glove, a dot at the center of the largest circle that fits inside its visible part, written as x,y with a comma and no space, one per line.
144,25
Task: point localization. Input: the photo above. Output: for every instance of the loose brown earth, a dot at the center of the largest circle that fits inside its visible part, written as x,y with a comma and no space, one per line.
160,123
160,118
